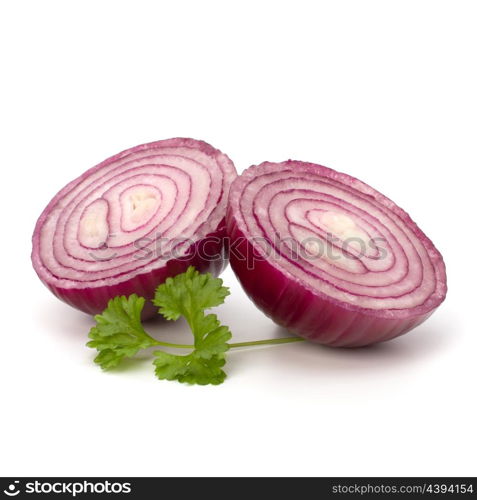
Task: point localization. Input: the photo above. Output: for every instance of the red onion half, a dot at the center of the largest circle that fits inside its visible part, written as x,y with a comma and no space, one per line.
138,217
328,257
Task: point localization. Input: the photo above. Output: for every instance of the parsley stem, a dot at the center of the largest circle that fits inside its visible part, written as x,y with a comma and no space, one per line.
285,340
179,346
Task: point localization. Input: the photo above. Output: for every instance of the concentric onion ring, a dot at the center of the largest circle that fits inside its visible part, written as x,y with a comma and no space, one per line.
132,221
328,257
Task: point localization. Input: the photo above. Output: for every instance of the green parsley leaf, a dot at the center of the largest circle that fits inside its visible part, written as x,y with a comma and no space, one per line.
191,369
118,332
189,294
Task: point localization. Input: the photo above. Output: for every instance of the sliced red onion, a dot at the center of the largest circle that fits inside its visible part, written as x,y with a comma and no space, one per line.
138,217
328,257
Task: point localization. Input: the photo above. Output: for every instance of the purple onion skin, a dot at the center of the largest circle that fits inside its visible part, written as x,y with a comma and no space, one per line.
94,300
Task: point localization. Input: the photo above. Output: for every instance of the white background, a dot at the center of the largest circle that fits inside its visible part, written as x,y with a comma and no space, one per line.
385,91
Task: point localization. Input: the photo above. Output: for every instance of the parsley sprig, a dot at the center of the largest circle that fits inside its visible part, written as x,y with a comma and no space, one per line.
119,333
188,295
